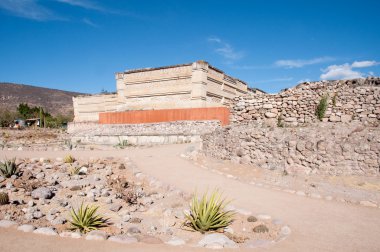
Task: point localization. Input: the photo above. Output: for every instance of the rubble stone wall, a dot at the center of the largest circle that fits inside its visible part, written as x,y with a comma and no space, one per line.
323,148
348,100
141,134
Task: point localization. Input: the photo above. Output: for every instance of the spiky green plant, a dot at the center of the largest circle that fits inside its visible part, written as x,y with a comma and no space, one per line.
208,213
4,198
69,159
85,218
122,143
8,168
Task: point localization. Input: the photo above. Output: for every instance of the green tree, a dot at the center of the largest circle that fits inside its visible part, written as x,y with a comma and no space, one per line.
24,110
7,117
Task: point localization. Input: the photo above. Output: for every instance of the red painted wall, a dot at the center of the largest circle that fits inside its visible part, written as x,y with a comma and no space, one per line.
166,115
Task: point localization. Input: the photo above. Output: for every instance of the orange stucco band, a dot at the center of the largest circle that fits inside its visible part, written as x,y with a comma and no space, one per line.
166,115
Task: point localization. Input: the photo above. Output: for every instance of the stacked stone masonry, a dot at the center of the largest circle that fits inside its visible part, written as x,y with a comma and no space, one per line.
348,100
141,134
193,85
322,148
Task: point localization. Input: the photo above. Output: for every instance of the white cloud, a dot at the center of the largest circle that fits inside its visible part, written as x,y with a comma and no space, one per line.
83,4
345,71
336,72
89,22
365,63
301,63
226,50
27,9
303,80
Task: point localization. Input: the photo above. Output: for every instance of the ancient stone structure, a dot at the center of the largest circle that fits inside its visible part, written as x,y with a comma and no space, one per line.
323,148
193,85
141,134
281,131
348,100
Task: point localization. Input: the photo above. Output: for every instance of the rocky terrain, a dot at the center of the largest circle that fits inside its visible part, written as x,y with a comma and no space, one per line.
52,100
322,148
347,100
139,208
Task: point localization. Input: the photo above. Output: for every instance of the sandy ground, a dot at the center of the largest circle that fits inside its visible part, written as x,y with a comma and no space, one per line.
317,225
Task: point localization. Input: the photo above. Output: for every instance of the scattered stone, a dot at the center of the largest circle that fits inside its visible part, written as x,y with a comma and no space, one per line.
83,171
126,217
96,235
229,230
123,239
251,219
7,223
216,240
74,235
26,228
45,231
42,193
38,215
133,230
260,229
285,230
58,221
115,208
135,220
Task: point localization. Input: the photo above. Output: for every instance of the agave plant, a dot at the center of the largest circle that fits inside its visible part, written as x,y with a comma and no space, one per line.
85,218
208,213
122,143
8,168
69,159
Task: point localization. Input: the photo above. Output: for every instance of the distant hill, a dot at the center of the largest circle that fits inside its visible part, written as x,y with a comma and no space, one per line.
52,100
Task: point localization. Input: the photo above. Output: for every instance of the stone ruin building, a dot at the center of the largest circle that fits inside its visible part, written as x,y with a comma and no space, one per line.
193,85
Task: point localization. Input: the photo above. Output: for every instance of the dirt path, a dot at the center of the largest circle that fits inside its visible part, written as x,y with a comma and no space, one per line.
317,225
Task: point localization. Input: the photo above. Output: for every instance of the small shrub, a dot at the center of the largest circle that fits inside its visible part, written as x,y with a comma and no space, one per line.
4,198
208,213
260,229
74,170
8,168
280,122
85,218
122,143
334,99
69,159
124,190
69,144
322,107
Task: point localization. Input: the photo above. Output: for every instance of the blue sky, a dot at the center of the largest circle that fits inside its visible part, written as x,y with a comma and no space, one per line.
78,45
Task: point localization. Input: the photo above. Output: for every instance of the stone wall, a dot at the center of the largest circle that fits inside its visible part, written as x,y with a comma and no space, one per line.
193,85
348,100
88,107
141,134
323,148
